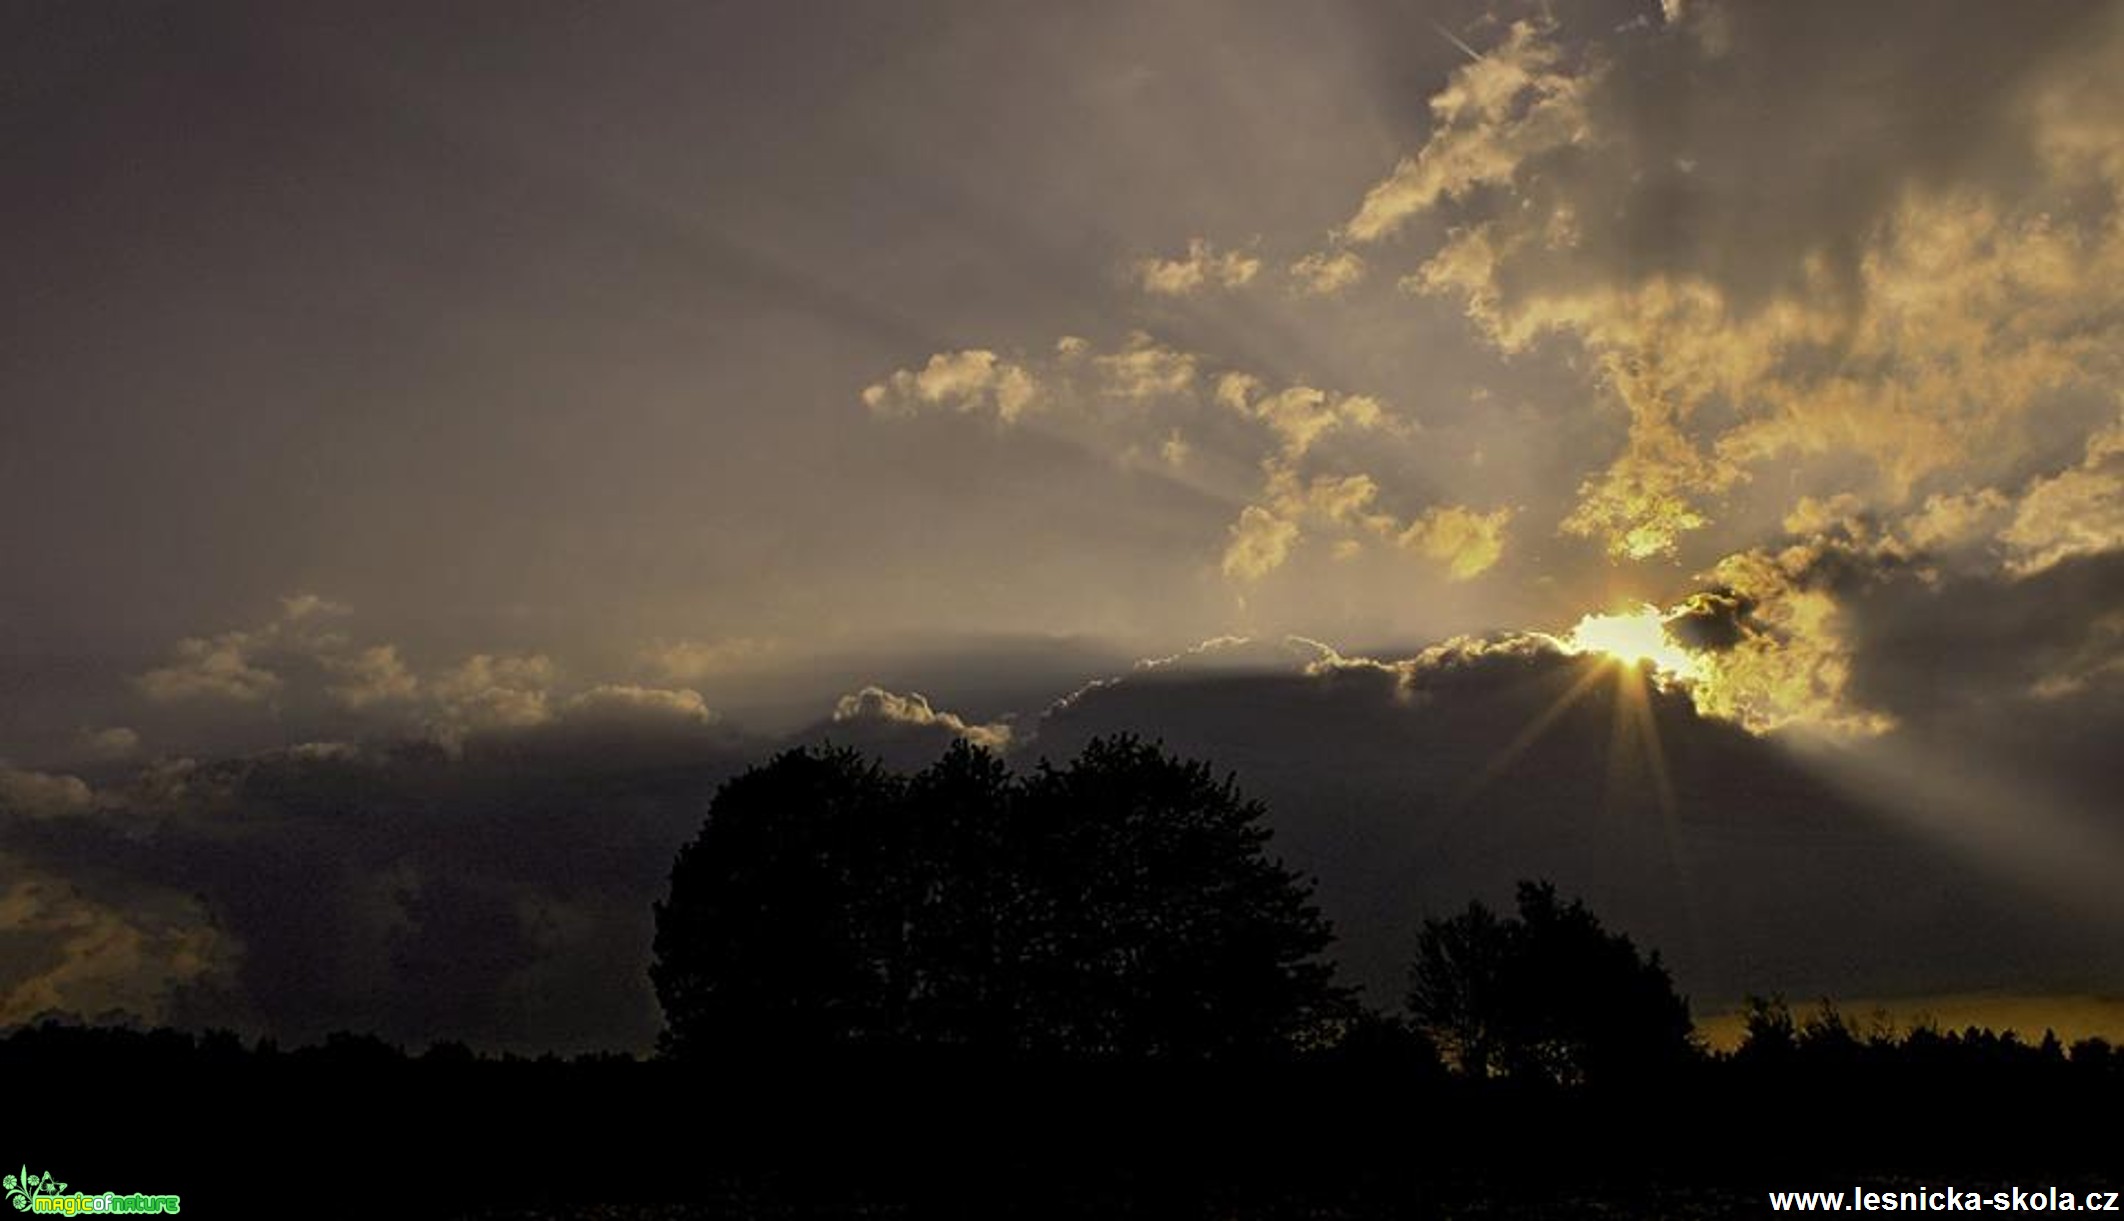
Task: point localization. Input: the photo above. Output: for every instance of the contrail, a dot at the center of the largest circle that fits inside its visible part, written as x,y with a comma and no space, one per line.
1453,38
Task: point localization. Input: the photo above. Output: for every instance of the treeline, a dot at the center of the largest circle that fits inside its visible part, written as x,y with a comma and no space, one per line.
1375,1125
1086,990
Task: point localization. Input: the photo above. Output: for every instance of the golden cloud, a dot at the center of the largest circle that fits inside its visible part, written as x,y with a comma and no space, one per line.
1496,113
877,704
967,381
1466,542
1202,267
1922,337
1325,273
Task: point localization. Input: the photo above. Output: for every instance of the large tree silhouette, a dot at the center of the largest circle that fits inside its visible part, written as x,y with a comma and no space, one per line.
1119,906
1547,994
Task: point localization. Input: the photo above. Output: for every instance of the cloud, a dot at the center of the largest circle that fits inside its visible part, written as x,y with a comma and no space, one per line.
1142,371
2076,512
1409,783
1299,416
1145,369
298,608
1923,626
1302,444
1463,541
626,703
877,706
1468,543
109,744
42,795
330,685
490,692
373,675
217,668
1757,282
1260,542
237,666
1326,273
1783,658
478,893
1264,535
1949,520
1202,267
99,960
967,381
691,661
393,887
1494,115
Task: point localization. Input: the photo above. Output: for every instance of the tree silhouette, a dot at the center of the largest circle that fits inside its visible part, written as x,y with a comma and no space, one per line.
779,911
1119,906
1547,994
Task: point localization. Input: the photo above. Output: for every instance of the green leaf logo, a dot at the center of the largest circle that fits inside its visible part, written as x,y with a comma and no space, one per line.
23,1187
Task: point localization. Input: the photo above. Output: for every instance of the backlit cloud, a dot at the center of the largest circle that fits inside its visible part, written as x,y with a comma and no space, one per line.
493,692
1149,398
217,668
627,702
372,675
2076,512
1202,268
967,381
1468,543
1325,273
1742,313
878,706
1512,104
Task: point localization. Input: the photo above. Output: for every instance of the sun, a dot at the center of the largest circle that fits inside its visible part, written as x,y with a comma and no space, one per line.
1632,637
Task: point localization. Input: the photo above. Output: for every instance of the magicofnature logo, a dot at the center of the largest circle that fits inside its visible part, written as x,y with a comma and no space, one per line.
44,1193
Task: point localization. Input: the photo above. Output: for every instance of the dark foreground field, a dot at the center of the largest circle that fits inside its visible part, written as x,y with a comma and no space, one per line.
356,1128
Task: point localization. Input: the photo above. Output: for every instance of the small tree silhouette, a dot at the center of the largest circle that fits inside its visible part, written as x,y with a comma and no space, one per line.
1547,995
1118,906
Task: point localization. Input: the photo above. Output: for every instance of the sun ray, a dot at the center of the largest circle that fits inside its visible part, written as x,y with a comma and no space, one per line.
1639,723
1525,738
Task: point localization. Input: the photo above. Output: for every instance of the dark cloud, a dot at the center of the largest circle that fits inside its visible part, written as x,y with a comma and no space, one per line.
2023,675
1711,621
1408,790
497,890
1749,137
500,896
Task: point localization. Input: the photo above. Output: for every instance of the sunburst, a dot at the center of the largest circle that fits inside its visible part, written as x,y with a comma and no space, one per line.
1634,637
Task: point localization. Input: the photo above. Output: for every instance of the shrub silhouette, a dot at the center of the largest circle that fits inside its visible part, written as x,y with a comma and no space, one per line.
1120,906
1547,994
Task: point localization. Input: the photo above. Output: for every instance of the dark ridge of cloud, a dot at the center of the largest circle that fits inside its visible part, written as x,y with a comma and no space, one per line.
1931,647
2025,674
1402,792
497,890
501,897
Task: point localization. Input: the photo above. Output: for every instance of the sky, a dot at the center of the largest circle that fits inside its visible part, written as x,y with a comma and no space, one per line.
1671,447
